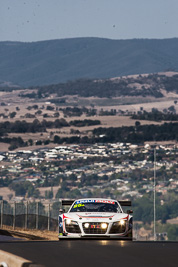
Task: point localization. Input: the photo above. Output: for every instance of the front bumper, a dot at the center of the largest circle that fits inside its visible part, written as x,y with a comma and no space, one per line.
95,228
108,234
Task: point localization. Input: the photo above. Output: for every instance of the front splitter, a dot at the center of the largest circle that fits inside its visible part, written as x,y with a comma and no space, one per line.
94,238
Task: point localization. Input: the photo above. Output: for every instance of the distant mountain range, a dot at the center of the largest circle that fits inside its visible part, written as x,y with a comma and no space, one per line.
56,61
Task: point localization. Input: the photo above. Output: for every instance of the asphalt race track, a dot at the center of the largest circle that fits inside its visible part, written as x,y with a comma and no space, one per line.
85,253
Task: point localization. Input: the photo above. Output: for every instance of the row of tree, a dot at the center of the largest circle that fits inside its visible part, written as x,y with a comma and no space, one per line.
41,126
109,88
137,134
104,88
156,116
143,208
132,134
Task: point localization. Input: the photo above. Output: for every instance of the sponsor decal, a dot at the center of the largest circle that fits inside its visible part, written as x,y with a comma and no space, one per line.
86,201
105,201
95,226
94,216
95,201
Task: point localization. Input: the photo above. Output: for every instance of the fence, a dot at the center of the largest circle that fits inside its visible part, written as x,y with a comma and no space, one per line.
30,215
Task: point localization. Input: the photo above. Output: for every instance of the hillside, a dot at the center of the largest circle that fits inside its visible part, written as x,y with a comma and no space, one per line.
55,61
147,85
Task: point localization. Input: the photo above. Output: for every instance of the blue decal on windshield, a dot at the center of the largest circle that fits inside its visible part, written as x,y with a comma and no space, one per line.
86,201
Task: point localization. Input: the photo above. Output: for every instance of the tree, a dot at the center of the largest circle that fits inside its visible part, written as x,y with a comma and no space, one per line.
25,188
49,194
75,193
12,147
30,141
39,143
39,112
137,123
173,232
172,109
73,177
49,108
56,114
12,114
60,193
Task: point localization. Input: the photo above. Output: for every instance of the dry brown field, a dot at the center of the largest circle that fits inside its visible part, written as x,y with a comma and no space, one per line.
13,101
43,189
6,193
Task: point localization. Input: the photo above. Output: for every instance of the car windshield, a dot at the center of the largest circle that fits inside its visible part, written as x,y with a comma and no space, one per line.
95,207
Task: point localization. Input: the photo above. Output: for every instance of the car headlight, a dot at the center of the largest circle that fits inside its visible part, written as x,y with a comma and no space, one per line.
70,222
104,225
86,225
120,223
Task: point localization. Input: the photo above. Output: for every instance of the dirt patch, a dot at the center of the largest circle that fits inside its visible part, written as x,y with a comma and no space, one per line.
28,234
160,105
173,221
6,193
4,147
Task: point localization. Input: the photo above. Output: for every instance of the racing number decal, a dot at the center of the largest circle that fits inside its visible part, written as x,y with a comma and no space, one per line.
78,205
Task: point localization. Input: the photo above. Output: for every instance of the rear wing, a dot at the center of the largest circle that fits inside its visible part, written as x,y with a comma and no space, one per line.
125,203
67,202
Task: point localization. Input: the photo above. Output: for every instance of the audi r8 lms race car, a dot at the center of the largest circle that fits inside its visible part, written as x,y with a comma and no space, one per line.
95,217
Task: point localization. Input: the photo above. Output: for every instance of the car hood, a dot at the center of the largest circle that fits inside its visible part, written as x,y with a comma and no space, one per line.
95,216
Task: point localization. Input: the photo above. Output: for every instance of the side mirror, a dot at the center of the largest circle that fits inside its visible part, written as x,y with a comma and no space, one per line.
129,211
62,210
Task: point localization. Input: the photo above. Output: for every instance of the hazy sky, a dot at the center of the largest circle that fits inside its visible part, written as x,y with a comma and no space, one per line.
34,20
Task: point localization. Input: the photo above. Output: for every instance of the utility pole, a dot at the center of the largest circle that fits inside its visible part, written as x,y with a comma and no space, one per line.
37,214
48,217
2,212
14,215
26,216
154,192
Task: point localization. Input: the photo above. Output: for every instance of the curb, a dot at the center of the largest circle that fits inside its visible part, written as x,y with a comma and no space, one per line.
10,260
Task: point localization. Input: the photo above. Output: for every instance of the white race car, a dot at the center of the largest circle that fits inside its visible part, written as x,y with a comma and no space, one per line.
95,217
